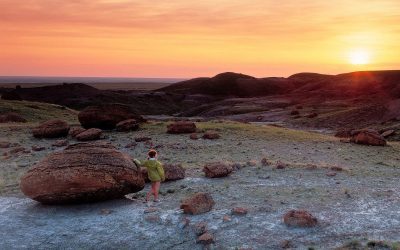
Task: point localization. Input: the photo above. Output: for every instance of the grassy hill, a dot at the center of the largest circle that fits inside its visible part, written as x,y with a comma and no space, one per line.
37,112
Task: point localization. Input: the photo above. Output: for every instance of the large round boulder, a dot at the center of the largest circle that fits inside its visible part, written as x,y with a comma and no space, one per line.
217,169
11,117
368,137
198,203
51,129
106,116
83,172
181,127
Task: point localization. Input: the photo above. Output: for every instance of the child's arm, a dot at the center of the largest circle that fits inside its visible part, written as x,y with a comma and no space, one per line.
160,171
137,163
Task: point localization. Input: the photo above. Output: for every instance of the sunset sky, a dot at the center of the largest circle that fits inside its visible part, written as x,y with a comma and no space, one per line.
159,38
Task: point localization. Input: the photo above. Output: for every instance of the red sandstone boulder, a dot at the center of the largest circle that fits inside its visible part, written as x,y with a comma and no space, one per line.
194,136
127,125
368,137
217,169
198,203
174,172
90,135
83,172
205,239
11,117
106,116
299,218
211,135
181,127
74,131
51,129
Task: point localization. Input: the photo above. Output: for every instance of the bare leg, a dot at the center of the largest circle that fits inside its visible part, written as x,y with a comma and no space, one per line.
156,189
151,191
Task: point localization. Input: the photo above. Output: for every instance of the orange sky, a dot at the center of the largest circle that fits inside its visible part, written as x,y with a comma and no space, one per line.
185,38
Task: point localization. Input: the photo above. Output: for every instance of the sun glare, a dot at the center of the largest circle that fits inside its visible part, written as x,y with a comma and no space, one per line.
359,57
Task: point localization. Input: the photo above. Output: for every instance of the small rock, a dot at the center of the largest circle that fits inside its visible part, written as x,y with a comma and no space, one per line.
239,211
105,211
294,112
331,174
127,125
142,139
38,148
74,131
205,239
217,170
280,165
181,127
198,203
5,144
200,228
184,223
299,218
226,218
211,135
368,137
337,168
285,244
252,163
265,162
151,210
60,143
153,218
16,150
194,136
90,135
131,145
345,140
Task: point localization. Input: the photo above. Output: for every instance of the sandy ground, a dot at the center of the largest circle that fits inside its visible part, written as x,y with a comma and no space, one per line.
360,203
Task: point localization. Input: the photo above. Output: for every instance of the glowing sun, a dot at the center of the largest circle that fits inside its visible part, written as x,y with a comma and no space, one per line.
359,57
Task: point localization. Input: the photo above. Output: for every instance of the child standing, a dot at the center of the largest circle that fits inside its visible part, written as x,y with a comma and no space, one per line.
155,172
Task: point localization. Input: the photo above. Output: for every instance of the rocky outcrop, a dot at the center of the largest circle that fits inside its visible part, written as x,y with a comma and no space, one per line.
12,96
89,135
11,117
181,127
368,137
217,169
51,129
106,116
198,203
299,218
83,172
127,125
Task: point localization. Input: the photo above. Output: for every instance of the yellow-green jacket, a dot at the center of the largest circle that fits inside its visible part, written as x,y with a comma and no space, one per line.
155,170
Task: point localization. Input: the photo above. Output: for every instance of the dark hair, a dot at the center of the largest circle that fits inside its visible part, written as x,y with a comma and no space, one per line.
152,153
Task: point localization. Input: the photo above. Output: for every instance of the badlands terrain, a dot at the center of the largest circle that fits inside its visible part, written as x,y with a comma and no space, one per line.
283,157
